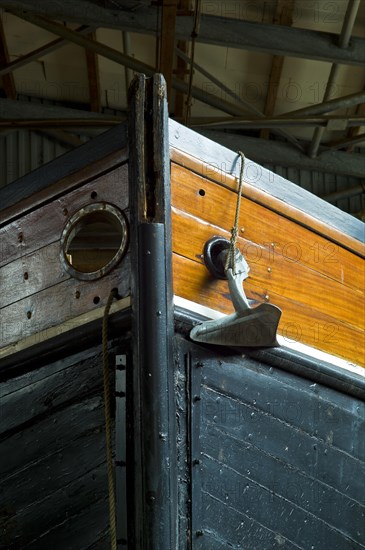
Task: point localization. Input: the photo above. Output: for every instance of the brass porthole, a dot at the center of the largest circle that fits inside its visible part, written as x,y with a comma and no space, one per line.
94,241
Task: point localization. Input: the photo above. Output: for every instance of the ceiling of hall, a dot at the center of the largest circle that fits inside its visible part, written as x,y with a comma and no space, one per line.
261,70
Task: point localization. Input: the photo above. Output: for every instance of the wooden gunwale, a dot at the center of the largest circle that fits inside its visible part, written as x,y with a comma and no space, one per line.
228,181
322,301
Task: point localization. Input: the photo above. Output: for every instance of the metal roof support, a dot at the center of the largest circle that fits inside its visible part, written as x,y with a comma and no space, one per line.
344,40
345,193
282,154
221,31
39,52
353,132
280,122
327,106
127,61
349,141
247,106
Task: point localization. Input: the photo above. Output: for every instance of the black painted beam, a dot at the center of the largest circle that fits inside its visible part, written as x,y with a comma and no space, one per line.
221,31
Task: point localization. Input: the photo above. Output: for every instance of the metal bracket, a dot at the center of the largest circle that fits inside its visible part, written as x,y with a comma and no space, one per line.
252,325
120,451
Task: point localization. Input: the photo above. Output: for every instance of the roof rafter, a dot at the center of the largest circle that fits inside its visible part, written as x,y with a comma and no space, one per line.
184,6
283,16
128,61
262,151
39,52
221,31
343,42
283,154
167,41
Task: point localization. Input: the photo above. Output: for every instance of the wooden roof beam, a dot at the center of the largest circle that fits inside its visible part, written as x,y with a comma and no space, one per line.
184,6
283,16
167,41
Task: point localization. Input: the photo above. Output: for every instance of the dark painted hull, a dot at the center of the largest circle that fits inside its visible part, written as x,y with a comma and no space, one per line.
219,447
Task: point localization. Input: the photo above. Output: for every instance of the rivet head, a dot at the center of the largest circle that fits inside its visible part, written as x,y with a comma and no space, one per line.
242,230
267,297
269,269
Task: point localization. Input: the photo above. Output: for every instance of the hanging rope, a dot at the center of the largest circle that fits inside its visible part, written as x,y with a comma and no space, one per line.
108,425
194,36
231,256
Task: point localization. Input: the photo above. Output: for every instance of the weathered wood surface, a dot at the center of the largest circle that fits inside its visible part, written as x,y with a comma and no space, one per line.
317,283
44,225
53,482
37,293
281,460
65,173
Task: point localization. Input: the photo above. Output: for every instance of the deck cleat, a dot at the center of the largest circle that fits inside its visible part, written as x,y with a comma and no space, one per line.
253,324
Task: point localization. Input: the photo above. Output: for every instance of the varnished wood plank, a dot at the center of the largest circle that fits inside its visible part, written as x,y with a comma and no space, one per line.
44,225
193,282
276,274
216,205
217,163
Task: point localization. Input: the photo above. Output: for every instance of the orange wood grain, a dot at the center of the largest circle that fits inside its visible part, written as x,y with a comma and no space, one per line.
300,323
318,284
271,231
292,280
220,177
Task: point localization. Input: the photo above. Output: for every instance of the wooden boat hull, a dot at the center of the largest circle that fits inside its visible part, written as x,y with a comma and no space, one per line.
218,447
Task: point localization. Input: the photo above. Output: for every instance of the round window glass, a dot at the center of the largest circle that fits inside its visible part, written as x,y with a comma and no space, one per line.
94,241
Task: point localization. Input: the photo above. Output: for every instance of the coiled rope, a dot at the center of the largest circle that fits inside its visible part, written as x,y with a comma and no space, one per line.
231,256
108,424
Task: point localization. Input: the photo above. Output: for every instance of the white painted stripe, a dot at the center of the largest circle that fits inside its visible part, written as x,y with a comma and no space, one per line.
284,342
